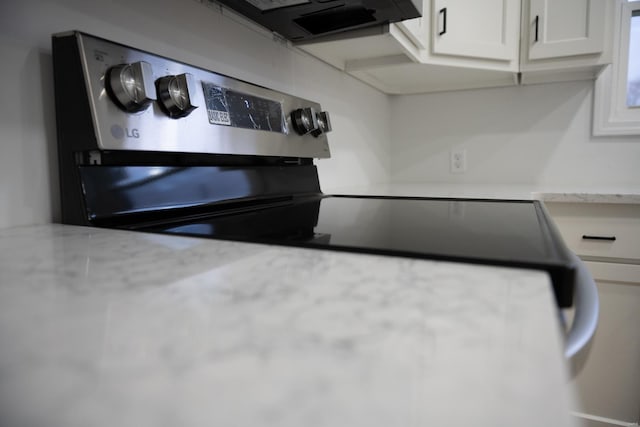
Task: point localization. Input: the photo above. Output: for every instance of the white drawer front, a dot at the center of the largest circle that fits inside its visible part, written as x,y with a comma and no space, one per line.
599,230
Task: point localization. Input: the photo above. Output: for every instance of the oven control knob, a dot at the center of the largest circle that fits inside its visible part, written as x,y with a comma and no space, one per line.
304,120
176,95
131,86
324,124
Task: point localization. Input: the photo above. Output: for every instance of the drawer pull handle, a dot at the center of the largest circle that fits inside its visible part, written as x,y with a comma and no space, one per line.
607,238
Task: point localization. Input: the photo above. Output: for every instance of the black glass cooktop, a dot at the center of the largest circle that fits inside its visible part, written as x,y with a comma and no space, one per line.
497,232
283,205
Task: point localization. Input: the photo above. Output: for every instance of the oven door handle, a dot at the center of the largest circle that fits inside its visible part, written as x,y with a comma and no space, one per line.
587,306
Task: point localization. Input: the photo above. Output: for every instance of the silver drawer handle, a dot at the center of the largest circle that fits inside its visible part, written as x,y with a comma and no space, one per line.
607,238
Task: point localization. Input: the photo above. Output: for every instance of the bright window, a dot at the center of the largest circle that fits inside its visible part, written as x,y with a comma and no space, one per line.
617,88
633,71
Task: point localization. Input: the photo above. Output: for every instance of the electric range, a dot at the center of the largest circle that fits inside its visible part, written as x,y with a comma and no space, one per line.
150,144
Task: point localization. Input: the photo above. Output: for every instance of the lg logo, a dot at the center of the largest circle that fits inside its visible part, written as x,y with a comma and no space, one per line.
118,132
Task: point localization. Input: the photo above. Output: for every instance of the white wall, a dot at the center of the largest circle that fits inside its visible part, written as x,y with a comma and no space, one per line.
188,31
532,135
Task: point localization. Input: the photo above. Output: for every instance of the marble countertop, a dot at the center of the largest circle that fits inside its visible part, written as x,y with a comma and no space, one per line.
570,194
114,328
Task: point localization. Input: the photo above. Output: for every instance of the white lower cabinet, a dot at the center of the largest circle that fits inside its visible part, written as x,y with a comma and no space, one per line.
606,374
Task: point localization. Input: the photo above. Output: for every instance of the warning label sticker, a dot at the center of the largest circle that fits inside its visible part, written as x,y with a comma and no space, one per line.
219,117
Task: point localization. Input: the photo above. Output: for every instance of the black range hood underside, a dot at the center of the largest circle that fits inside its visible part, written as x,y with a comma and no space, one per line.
303,20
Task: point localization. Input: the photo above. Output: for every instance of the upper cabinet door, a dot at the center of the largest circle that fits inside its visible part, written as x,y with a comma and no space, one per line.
485,29
565,28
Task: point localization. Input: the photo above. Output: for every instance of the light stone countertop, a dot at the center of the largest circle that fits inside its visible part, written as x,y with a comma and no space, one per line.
589,197
103,328
571,194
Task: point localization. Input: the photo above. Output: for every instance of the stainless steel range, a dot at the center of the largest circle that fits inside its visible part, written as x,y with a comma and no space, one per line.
150,144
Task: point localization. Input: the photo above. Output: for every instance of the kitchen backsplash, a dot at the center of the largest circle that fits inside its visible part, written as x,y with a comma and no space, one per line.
532,135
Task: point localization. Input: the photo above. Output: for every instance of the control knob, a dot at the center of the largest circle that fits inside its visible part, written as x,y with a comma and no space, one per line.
307,120
324,124
175,94
131,86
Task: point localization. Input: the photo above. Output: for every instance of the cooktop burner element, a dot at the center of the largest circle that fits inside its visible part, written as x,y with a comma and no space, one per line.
149,144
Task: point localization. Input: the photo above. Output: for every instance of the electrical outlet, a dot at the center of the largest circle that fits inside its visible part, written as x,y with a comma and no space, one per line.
458,161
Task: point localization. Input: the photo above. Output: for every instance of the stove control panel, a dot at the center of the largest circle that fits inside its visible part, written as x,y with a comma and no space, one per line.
153,103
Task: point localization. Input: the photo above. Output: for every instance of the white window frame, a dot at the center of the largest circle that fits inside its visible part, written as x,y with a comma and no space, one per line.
611,115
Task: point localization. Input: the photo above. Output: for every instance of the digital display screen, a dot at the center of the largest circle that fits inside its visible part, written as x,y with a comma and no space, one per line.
228,107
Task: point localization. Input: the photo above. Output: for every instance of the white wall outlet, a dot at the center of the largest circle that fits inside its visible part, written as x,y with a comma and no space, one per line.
458,161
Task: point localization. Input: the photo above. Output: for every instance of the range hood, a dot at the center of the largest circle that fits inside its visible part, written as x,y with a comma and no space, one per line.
304,20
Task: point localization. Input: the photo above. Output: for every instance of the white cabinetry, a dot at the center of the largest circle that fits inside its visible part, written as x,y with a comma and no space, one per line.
569,39
460,44
607,373
600,231
565,28
486,29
